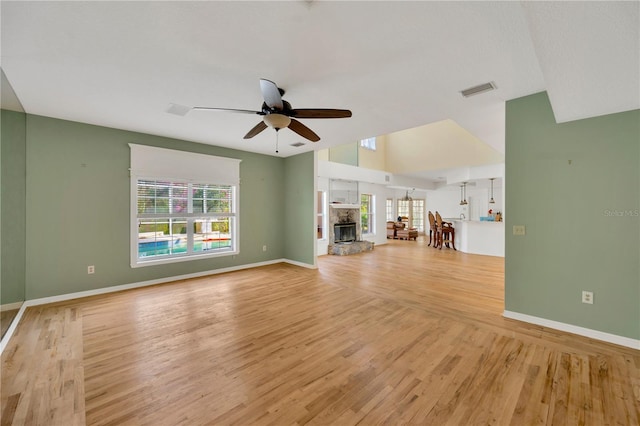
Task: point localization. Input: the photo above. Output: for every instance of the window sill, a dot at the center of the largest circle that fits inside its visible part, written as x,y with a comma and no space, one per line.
168,260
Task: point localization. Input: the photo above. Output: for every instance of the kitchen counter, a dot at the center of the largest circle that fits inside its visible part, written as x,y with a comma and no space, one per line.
479,237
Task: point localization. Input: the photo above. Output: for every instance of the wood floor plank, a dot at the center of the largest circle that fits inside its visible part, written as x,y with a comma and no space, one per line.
402,335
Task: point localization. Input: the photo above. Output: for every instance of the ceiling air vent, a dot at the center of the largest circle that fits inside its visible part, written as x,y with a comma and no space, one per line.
297,144
178,109
476,90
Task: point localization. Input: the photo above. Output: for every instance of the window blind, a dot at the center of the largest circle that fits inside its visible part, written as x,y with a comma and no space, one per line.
162,163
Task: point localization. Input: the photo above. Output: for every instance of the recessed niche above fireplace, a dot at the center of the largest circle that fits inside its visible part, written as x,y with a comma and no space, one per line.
344,192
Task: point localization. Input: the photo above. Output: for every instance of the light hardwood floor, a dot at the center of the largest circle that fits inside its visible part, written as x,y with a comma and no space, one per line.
6,317
402,335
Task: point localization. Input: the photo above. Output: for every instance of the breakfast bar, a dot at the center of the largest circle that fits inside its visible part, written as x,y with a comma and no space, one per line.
479,237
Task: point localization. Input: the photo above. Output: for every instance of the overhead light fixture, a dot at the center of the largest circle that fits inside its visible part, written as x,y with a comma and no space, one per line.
492,201
277,121
407,197
463,194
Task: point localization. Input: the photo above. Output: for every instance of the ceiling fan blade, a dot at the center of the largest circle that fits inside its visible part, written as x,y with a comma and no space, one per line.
257,129
303,130
320,113
271,94
243,111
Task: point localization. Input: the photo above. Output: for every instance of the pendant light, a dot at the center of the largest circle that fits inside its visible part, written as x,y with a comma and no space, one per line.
461,196
464,187
407,197
492,201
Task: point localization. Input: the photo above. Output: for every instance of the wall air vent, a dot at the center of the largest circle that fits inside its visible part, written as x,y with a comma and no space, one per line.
297,144
476,90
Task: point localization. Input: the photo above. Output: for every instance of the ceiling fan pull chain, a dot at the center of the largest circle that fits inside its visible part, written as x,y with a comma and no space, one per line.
277,133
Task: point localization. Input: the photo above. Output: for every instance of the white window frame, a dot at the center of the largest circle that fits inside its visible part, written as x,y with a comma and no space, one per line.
410,209
160,164
400,205
418,204
371,225
368,143
389,210
321,215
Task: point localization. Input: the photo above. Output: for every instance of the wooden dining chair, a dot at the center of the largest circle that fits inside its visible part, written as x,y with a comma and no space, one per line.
433,230
446,233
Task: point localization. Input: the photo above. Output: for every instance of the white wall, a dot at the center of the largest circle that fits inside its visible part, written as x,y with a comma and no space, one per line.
381,193
446,201
369,182
323,244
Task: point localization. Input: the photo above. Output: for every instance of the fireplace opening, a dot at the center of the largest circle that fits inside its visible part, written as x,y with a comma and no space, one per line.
344,232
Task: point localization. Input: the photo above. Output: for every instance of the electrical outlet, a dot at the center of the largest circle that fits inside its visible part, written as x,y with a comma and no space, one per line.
264,248
587,297
91,269
518,230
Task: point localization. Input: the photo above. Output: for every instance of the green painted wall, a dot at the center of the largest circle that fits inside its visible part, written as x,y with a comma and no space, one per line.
13,205
77,208
299,215
576,188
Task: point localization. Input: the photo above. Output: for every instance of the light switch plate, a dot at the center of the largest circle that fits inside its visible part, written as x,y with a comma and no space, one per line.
518,230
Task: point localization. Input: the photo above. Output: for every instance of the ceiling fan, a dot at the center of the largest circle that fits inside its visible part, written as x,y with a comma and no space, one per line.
278,113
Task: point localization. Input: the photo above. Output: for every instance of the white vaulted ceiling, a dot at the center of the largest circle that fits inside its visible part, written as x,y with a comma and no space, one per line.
396,65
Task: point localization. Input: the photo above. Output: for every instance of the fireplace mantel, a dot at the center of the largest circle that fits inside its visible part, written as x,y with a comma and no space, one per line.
345,206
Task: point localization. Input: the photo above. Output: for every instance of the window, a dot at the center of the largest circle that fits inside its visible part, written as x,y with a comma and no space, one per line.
320,215
367,213
369,143
417,214
403,208
413,211
389,208
183,206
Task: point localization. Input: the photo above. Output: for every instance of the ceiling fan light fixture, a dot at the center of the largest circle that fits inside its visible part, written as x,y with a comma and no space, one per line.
277,121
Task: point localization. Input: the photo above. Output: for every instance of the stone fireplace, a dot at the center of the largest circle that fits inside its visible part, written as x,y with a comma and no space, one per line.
345,232
341,216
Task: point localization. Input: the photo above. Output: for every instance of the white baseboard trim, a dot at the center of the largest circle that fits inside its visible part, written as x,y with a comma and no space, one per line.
10,306
581,331
296,263
12,328
113,289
